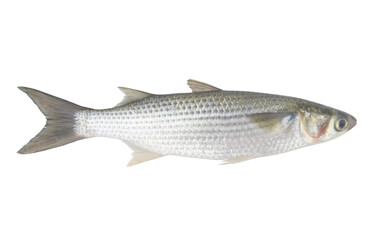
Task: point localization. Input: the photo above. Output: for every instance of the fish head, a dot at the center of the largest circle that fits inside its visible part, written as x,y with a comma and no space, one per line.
320,123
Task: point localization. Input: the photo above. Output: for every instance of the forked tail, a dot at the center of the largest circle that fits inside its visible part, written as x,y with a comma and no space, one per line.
59,129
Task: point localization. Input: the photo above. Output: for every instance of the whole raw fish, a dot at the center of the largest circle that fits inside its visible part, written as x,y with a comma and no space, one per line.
207,123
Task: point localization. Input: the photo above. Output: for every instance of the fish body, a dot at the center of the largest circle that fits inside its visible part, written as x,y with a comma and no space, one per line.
207,123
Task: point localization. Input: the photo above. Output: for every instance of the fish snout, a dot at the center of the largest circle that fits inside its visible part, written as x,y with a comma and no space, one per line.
352,122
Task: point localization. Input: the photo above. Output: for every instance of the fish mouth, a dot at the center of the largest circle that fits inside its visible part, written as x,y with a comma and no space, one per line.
352,122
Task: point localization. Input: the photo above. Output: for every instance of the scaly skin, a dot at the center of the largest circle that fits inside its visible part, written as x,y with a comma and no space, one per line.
213,125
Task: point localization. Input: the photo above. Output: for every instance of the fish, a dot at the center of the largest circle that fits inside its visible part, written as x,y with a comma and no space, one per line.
207,123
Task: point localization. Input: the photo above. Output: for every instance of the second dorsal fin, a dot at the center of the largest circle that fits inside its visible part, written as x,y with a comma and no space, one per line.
132,95
198,86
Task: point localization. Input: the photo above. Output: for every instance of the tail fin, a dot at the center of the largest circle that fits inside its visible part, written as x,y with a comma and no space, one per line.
59,128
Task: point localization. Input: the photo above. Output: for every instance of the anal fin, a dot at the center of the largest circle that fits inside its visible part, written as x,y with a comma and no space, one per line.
237,160
141,155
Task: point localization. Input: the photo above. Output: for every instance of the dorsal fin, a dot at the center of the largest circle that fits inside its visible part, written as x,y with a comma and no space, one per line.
198,86
132,95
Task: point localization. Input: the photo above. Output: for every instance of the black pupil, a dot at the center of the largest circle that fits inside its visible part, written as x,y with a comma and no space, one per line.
342,124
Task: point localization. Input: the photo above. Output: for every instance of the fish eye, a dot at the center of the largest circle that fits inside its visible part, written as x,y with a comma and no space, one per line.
341,124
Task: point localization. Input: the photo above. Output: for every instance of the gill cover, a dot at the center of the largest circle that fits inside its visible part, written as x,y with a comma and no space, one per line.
314,126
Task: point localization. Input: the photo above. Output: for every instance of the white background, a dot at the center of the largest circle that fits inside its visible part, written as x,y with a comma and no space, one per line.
325,51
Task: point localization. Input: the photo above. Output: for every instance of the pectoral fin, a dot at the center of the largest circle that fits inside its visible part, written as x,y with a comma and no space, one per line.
273,122
141,155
